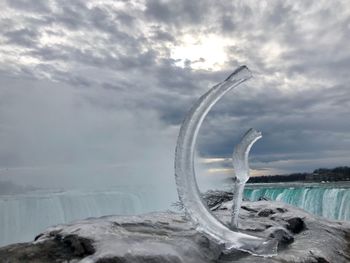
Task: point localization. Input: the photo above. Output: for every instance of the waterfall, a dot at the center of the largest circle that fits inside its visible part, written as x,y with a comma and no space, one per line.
26,215
332,203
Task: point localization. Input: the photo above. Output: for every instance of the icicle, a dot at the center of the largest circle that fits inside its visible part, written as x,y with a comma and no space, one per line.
186,180
241,166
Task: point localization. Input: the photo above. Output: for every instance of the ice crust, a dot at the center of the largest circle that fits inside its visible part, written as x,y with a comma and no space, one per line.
241,167
168,237
187,187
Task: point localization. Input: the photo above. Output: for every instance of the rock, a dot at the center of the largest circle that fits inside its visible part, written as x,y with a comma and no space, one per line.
57,248
281,234
295,224
169,238
215,198
265,212
263,198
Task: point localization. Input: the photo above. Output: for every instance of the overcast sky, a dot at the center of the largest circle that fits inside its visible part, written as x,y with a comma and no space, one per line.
101,86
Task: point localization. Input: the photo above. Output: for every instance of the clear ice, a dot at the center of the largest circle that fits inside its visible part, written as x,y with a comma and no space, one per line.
241,166
187,187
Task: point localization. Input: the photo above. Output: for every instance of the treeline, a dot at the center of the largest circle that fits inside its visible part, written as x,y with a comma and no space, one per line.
322,174
278,178
342,170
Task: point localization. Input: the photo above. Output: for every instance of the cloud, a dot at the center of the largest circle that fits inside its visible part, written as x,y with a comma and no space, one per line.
25,5
133,57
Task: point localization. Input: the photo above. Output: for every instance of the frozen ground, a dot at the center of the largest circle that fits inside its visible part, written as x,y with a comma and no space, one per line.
168,237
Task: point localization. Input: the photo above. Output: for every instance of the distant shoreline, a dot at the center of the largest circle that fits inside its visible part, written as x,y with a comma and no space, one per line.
298,184
319,175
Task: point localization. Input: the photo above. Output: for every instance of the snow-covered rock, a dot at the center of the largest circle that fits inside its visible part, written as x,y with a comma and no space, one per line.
167,237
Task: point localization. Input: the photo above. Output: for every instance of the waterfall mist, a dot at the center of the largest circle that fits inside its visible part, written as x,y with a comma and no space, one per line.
61,138
68,153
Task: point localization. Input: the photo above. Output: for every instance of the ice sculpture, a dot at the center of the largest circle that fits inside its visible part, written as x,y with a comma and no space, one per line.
187,187
241,166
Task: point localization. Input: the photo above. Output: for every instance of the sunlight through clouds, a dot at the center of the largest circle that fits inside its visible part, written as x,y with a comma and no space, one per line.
203,52
159,56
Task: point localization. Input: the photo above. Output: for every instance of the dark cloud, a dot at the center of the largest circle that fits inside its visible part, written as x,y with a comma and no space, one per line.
160,35
179,12
27,5
159,10
22,37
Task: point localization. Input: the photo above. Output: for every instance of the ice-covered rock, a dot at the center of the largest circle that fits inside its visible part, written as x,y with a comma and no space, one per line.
168,237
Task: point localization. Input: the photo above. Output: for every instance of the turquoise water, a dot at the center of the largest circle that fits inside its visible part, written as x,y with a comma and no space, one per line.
330,200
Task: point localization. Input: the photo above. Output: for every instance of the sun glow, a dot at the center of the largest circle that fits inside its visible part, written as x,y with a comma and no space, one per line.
206,52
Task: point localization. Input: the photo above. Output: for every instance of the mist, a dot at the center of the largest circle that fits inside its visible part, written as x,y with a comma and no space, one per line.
54,137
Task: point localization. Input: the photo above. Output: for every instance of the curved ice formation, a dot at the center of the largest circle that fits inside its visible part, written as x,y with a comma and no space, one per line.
241,166
186,182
